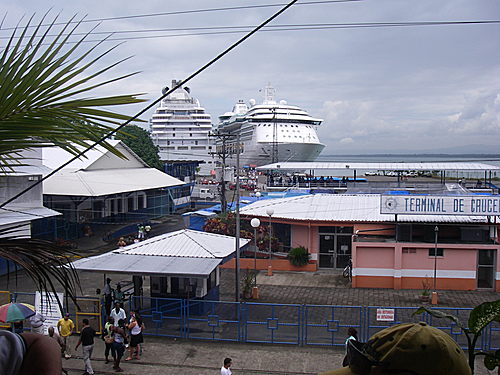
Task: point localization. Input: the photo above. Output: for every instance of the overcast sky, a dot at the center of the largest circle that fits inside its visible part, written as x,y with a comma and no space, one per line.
381,90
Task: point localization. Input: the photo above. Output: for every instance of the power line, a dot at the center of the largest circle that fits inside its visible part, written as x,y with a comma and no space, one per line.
137,115
272,28
193,11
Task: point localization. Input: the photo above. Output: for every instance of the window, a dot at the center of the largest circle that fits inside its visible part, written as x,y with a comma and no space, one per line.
440,252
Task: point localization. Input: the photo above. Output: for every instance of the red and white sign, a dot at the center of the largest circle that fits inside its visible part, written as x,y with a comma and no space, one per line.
385,315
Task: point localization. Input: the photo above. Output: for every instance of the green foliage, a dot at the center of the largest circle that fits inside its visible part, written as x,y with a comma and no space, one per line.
298,256
248,282
45,98
483,315
139,141
479,318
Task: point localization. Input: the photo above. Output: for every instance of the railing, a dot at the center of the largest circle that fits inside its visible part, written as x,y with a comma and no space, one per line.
290,324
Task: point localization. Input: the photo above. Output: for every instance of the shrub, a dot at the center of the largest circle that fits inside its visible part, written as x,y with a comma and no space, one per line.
299,256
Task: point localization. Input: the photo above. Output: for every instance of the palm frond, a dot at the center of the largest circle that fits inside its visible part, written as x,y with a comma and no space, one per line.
41,86
43,261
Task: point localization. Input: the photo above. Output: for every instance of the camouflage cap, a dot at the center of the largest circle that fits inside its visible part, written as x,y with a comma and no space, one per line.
406,349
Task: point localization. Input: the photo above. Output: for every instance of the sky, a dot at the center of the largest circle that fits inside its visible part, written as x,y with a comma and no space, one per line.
406,89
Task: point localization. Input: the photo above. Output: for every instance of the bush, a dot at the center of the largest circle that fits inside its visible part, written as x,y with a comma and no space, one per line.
299,256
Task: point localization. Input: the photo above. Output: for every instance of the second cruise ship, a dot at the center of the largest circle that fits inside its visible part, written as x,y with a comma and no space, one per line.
270,132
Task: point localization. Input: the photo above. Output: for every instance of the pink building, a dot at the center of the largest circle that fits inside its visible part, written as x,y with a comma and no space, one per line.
387,250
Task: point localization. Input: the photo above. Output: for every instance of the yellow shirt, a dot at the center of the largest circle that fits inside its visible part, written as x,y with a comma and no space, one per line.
65,327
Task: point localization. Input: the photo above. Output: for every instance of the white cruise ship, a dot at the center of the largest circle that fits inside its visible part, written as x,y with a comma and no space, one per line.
180,128
270,132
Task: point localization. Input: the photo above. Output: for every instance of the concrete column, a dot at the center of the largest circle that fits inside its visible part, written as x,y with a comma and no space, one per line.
398,260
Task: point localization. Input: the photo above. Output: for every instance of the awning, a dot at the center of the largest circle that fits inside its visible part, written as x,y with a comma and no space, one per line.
148,265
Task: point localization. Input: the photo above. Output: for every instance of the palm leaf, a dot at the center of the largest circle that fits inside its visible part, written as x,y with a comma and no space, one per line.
43,261
41,88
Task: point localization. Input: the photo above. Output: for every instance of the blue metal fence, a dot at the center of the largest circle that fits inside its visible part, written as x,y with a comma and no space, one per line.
292,324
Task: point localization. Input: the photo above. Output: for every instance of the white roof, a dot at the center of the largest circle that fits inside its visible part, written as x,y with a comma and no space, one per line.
185,243
184,253
18,215
150,265
430,166
342,208
94,183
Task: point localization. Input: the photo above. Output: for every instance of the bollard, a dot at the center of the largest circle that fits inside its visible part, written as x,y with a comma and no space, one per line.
255,292
269,270
434,298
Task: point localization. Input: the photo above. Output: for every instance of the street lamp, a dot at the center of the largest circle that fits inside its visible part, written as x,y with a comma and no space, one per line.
255,223
270,213
434,294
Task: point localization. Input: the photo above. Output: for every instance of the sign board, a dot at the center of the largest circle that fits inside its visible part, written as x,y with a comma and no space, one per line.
46,304
474,205
385,315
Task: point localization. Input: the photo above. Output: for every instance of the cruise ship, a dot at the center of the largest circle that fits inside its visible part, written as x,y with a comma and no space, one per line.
270,132
180,128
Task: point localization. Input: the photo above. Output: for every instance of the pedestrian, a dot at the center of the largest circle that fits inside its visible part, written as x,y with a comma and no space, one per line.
135,328
108,296
119,296
147,230
118,346
140,232
121,242
36,322
225,370
57,338
65,326
87,340
107,334
352,335
117,313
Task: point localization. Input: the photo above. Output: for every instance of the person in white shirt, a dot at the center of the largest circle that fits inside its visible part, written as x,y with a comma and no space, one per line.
36,322
225,370
117,313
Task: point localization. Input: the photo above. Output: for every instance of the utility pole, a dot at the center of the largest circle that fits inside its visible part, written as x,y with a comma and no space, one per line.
222,154
237,218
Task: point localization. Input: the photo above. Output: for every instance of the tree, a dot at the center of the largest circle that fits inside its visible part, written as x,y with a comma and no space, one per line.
45,100
139,140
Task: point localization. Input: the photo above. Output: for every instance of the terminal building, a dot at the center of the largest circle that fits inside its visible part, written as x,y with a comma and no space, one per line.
411,236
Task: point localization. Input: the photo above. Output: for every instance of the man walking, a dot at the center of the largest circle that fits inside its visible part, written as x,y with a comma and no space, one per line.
36,322
108,296
117,313
65,327
225,370
87,340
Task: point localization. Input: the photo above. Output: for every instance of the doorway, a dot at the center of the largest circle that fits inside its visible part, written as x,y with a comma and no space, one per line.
334,246
486,269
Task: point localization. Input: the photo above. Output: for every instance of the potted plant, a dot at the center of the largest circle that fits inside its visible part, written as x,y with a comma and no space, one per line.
298,256
247,283
426,290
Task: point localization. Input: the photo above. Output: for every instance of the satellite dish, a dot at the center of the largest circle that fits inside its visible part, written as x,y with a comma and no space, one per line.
164,90
283,102
252,102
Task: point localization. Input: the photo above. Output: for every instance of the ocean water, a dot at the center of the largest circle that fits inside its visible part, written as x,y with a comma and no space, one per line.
491,159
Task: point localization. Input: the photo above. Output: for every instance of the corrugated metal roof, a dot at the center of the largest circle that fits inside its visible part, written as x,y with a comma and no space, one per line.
95,183
17,215
342,208
428,166
149,265
185,243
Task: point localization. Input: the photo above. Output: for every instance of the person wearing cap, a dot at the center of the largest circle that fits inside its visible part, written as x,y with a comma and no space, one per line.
66,326
405,349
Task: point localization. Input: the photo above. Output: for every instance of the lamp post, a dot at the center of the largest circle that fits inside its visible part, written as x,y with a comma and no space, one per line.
270,213
434,293
255,223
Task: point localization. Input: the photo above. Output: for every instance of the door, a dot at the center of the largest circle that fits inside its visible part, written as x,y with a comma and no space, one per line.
486,269
326,250
343,251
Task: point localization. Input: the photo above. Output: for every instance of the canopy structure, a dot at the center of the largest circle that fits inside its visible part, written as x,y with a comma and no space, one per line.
427,166
186,253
